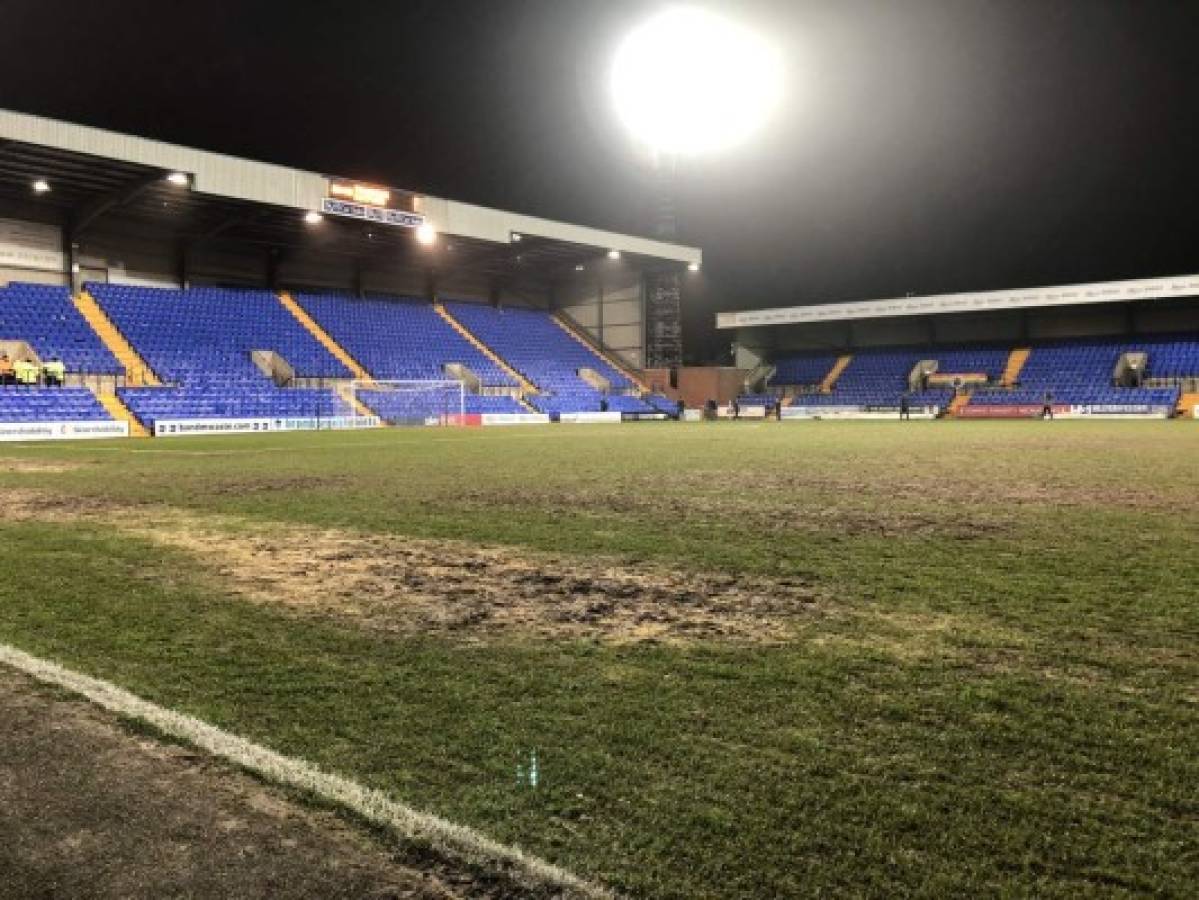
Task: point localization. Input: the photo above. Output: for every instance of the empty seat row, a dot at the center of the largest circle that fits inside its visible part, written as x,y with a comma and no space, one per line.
50,404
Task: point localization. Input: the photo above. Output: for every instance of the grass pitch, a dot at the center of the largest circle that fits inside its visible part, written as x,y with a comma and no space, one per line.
753,659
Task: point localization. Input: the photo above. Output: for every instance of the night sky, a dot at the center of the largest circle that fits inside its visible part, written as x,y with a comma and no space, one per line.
923,145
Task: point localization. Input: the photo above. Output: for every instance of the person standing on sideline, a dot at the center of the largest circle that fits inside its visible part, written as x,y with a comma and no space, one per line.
735,406
54,372
1047,406
905,407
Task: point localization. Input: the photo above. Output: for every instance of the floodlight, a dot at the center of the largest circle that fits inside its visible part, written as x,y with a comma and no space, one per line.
693,267
613,254
41,186
178,179
516,237
579,267
689,81
312,217
426,234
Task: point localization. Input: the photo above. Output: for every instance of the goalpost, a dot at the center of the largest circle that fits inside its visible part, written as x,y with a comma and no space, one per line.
398,402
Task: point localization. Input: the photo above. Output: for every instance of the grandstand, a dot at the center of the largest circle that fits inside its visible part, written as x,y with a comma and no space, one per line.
1114,349
178,285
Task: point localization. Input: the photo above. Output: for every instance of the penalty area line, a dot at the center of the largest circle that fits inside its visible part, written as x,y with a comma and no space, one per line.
458,842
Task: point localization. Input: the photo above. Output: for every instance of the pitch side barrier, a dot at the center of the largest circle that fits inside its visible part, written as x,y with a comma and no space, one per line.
193,427
1066,411
798,413
62,431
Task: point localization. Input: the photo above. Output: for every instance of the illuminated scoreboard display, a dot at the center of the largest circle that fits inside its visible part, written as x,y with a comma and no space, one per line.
370,204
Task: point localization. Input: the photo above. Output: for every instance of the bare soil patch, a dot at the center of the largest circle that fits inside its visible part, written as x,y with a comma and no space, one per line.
88,809
15,465
405,585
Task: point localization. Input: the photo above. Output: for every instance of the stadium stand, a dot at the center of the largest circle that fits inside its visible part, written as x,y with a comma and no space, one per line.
878,378
398,338
44,317
200,342
39,404
626,403
663,404
232,399
1079,372
535,345
193,334
481,403
803,370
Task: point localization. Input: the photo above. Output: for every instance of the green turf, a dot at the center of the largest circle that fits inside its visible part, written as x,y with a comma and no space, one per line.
998,695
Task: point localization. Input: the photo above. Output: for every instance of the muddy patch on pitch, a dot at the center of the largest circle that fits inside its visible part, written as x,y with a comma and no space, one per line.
414,586
17,466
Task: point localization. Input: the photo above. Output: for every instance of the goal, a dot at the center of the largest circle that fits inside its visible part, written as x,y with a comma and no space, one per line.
412,402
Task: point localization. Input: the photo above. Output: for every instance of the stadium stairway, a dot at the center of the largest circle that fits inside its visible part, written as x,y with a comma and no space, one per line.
345,392
1015,365
137,372
957,404
526,386
830,380
118,410
1188,404
607,357
324,338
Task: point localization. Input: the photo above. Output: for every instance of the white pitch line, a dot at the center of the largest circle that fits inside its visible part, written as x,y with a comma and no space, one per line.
452,840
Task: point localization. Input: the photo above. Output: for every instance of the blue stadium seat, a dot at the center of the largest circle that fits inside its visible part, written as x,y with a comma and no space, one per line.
50,404
199,341
400,339
44,316
535,345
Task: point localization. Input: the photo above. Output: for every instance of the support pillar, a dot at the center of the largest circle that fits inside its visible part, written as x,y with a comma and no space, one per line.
600,313
182,271
273,258
359,289
70,259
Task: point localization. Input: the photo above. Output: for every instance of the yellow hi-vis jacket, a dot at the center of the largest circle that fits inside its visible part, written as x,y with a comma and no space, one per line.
27,372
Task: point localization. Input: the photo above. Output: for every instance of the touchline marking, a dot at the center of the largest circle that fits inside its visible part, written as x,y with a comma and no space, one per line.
453,840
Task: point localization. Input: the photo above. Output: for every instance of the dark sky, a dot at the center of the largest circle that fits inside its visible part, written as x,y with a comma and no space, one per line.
923,146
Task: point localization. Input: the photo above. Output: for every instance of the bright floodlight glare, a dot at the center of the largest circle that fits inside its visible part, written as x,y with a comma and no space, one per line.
613,254
41,185
312,217
425,234
177,178
693,267
689,81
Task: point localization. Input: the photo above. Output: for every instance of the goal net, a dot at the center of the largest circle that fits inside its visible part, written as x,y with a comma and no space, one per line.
412,402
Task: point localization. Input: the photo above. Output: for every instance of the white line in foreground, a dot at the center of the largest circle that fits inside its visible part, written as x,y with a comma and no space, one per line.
454,841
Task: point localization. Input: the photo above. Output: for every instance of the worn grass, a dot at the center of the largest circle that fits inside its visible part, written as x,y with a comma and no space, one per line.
998,691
